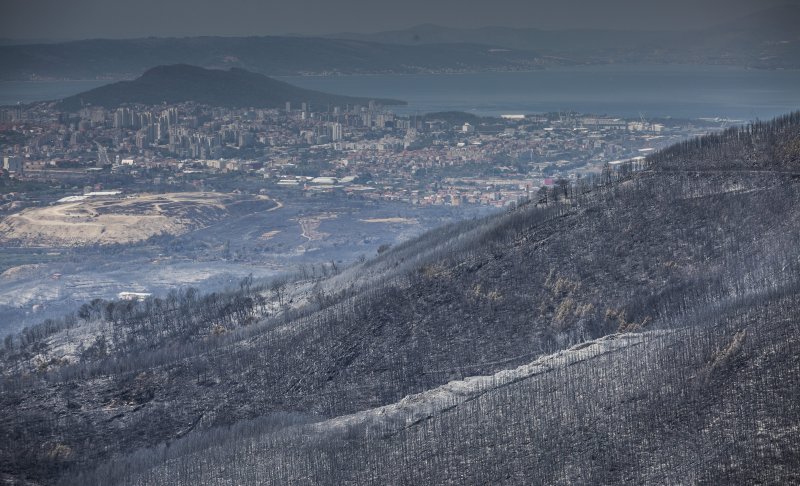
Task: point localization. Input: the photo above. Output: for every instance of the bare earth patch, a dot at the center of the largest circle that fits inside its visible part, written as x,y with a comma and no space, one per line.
111,220
390,220
269,234
19,270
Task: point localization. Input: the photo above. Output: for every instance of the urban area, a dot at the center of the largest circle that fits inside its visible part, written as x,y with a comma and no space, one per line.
368,152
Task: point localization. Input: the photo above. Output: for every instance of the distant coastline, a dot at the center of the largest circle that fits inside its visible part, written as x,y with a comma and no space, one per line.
724,91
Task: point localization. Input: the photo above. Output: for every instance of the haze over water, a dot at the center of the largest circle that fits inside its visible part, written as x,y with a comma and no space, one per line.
656,91
12,92
623,90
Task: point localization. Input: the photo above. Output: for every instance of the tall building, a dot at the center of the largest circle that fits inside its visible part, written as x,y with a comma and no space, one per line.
336,131
126,118
161,131
169,117
13,164
142,120
246,139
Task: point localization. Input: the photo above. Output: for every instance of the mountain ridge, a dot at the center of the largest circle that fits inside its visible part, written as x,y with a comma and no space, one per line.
767,39
270,55
763,39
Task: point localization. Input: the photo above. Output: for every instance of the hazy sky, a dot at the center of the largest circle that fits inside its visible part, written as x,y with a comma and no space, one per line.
81,19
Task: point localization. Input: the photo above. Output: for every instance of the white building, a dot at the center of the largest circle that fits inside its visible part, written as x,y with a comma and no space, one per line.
336,132
13,164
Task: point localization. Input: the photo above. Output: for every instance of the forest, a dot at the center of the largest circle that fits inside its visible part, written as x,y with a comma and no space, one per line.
636,327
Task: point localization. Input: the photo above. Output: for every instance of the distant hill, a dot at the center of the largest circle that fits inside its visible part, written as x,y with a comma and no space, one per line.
271,55
507,37
768,38
779,22
232,88
765,39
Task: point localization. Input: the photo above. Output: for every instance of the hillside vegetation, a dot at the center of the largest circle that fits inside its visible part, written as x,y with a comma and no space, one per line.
639,327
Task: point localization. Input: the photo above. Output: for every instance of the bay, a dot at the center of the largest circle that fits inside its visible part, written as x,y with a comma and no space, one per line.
13,92
678,91
622,90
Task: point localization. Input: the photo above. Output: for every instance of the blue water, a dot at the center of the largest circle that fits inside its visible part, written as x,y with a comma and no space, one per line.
12,92
652,91
655,91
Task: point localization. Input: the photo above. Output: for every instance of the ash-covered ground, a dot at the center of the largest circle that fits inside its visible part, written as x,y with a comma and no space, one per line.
286,235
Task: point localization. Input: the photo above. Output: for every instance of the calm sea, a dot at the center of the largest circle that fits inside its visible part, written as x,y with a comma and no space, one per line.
651,91
12,92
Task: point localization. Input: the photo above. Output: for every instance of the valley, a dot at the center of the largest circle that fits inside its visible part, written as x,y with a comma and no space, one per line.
171,241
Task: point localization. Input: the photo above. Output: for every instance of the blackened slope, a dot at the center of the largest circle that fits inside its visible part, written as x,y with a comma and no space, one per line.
234,88
515,292
475,298
711,402
761,146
